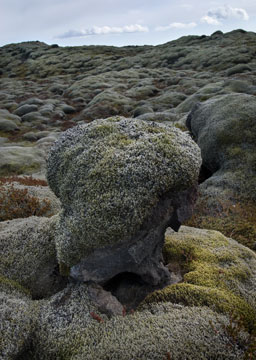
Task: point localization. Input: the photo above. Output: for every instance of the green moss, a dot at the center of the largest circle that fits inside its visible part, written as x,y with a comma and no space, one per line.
181,127
120,170
4,134
16,169
218,273
219,300
64,269
11,284
236,219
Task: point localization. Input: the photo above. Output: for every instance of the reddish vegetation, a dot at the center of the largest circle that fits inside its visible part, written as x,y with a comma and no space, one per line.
96,317
24,180
17,203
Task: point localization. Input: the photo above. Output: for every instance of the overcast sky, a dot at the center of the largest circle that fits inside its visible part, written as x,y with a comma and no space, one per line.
120,22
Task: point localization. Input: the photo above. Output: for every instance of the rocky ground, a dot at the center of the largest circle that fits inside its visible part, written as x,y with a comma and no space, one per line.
197,89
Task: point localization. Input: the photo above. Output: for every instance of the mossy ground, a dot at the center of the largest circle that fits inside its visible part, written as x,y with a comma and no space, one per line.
217,272
16,169
235,219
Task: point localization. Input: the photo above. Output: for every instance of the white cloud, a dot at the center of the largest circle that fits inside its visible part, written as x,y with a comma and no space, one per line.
210,20
103,30
216,15
176,25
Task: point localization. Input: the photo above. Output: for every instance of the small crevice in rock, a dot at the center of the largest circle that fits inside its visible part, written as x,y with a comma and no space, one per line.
204,174
129,289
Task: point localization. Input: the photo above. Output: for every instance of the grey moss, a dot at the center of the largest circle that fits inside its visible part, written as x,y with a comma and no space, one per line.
109,175
18,315
28,254
225,129
67,330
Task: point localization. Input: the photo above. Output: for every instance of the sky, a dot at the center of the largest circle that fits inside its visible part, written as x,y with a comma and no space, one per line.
119,22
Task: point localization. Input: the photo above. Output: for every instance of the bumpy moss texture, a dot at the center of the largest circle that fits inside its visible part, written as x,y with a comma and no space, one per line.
17,319
67,330
225,129
28,253
109,175
219,273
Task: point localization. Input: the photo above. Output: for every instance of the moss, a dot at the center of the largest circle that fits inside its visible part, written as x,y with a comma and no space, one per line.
4,134
181,127
9,284
236,219
66,330
24,180
64,269
17,169
110,174
195,295
29,255
219,273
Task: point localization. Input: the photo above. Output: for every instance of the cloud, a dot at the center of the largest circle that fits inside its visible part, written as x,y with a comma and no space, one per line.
210,20
103,30
176,25
215,16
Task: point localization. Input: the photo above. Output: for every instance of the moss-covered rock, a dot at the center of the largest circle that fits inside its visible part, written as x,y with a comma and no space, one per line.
225,129
20,160
218,272
110,174
18,315
28,255
70,327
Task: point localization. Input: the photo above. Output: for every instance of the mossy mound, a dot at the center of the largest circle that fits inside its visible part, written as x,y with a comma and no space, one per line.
219,273
110,174
20,160
70,327
17,319
234,218
28,254
224,127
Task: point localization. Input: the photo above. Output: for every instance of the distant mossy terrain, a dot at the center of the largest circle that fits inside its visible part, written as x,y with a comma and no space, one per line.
204,89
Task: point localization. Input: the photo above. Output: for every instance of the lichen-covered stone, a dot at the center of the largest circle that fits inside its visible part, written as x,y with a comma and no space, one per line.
219,273
28,255
110,174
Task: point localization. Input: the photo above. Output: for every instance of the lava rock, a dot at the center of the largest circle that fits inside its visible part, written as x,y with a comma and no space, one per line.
121,182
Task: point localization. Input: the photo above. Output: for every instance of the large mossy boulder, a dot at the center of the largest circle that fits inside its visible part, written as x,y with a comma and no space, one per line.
121,182
224,127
